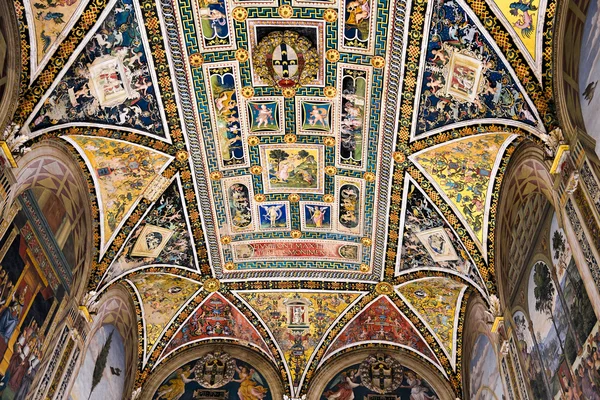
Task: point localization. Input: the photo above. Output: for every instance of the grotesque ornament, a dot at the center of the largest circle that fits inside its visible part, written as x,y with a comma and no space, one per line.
285,59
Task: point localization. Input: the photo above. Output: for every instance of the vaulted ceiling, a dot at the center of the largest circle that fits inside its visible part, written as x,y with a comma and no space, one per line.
250,158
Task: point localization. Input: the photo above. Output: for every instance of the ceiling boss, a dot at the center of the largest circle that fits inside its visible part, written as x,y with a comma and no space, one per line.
286,59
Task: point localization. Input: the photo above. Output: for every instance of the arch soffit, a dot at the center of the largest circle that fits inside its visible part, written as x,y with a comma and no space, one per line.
9,102
51,166
527,174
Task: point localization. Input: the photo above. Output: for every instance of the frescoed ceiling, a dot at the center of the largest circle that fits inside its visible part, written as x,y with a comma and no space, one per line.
306,177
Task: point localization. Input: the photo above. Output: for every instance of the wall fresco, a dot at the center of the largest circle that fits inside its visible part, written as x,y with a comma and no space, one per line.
437,302
562,320
29,298
298,321
237,380
366,381
589,73
122,171
110,82
162,296
485,381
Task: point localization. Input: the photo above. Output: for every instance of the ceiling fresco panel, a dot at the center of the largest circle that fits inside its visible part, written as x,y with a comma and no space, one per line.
298,321
216,318
50,22
427,241
437,302
318,156
161,237
121,172
524,20
463,171
111,82
465,77
379,322
161,296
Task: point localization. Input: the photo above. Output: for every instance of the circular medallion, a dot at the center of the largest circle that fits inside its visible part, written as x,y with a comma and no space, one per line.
225,239
256,170
378,62
332,55
369,176
253,140
248,92
366,241
296,234
196,60
216,175
294,197
242,55
399,157
288,92
384,288
381,373
259,197
285,11
181,155
330,170
329,141
239,14
212,285
229,266
328,198
286,59
364,268
290,138
329,91
330,15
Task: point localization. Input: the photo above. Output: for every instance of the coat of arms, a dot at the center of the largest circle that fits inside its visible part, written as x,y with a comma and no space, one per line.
214,370
286,59
381,373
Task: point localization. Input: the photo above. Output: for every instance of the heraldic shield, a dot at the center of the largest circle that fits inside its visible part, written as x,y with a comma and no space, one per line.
381,373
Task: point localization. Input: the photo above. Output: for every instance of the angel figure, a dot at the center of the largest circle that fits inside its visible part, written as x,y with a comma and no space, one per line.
272,214
317,214
249,388
175,387
343,386
417,391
